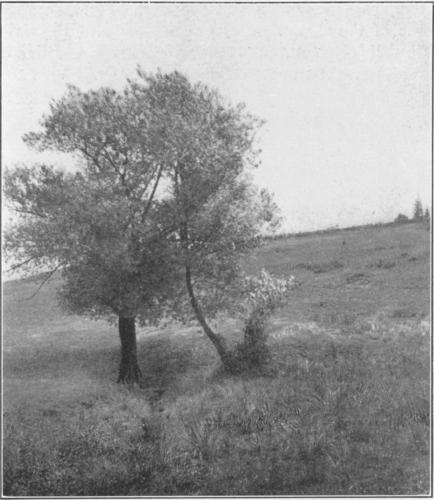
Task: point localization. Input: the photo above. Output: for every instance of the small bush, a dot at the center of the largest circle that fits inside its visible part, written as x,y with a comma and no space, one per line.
264,295
253,354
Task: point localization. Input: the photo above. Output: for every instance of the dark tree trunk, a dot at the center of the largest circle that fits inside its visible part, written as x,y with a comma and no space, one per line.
129,371
217,340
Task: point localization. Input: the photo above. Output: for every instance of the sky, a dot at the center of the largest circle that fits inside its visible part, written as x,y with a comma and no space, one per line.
345,90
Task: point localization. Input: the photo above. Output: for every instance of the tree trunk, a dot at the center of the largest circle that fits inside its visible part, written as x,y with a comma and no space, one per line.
217,340
129,371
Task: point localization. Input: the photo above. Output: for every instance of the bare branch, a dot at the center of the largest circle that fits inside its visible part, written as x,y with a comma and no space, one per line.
29,212
49,276
146,185
16,266
151,197
115,168
91,157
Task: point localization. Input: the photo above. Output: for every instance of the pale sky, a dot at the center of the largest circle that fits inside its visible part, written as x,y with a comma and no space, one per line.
345,89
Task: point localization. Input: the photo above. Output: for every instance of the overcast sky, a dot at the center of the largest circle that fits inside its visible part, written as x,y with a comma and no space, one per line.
345,89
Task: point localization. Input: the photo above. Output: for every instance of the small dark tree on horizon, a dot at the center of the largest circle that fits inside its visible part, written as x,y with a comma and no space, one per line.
159,215
417,210
401,219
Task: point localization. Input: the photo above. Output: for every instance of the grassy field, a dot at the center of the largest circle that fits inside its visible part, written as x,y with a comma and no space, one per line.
346,409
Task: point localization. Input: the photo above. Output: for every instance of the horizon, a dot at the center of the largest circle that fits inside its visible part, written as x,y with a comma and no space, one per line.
17,275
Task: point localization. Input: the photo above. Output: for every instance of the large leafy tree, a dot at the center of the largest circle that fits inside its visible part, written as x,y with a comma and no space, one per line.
162,203
217,212
100,226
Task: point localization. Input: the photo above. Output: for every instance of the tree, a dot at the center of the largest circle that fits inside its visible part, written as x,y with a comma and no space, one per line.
426,215
162,195
401,219
218,213
100,226
417,210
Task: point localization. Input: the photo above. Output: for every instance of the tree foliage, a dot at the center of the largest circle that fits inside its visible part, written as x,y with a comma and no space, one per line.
218,212
162,210
98,225
401,219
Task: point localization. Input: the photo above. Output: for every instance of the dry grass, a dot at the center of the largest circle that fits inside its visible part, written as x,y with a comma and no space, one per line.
345,411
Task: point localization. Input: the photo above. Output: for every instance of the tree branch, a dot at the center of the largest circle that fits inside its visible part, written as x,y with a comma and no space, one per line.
91,157
29,212
49,276
115,168
151,197
16,266
145,187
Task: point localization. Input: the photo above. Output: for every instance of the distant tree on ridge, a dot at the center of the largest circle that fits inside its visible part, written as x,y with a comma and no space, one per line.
417,210
401,219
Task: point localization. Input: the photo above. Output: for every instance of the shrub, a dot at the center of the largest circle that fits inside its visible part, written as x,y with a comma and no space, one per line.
401,219
264,295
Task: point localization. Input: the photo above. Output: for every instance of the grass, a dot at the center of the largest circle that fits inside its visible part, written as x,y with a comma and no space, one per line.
345,410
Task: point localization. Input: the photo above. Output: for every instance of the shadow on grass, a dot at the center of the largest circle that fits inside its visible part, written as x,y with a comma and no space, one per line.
162,360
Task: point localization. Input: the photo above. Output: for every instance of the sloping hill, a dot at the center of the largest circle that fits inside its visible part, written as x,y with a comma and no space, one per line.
346,410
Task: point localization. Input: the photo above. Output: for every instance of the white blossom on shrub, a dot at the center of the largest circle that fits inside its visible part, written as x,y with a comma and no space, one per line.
264,294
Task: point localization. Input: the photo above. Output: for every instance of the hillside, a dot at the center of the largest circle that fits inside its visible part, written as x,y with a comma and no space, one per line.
345,410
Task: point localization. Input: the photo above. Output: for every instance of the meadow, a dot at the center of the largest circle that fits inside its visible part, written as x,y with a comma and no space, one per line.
344,408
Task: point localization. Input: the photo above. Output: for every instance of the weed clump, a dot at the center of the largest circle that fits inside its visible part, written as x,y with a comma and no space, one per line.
384,264
322,267
359,278
264,295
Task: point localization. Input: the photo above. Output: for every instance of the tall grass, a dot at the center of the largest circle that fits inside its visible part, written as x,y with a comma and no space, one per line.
341,415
